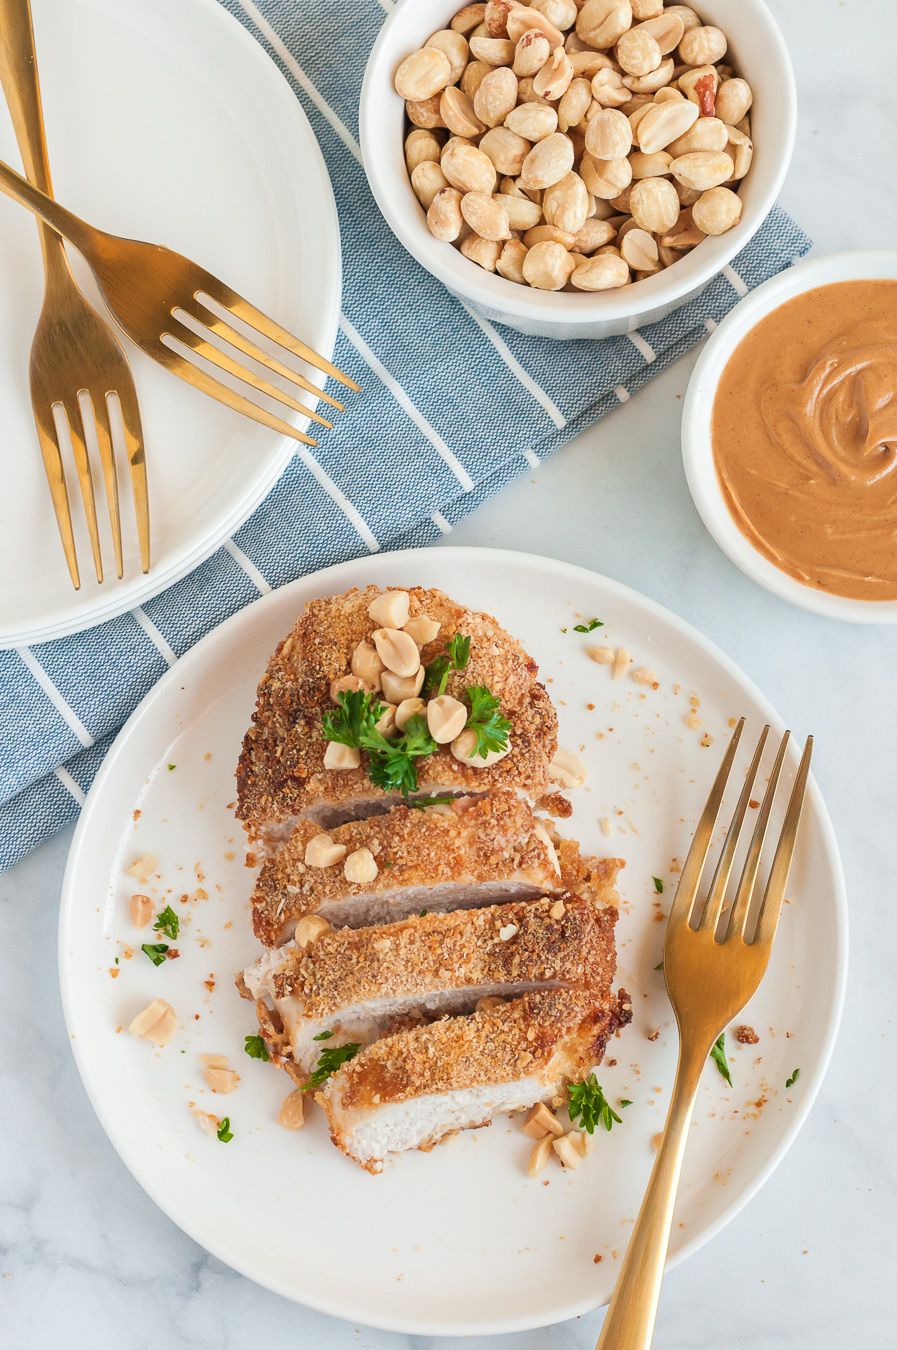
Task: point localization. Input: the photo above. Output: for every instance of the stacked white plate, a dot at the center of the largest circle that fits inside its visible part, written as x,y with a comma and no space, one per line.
165,121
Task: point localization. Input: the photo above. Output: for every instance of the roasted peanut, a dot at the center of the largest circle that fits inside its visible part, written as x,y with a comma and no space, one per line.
717,210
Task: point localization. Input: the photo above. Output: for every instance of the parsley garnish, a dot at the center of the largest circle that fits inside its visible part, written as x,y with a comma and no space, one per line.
659,966
255,1048
718,1055
439,670
171,766
421,803
422,912
795,1074
167,922
356,714
587,627
658,885
322,1036
391,763
486,721
587,1103
624,1102
224,1131
155,951
329,1061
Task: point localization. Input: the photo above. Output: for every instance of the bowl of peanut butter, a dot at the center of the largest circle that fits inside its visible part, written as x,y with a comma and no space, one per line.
789,435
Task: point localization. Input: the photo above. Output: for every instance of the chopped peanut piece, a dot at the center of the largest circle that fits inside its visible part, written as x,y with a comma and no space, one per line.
204,1119
143,868
489,1002
568,1150
422,629
309,928
541,1121
222,1080
557,910
291,1114
156,1023
321,851
622,662
567,769
140,910
214,1061
539,1156
338,756
390,610
508,931
602,655
360,866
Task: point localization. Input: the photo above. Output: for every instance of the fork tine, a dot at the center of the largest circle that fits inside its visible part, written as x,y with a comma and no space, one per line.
173,361
243,344
107,461
209,352
130,416
85,479
716,898
738,918
690,878
53,468
771,907
256,319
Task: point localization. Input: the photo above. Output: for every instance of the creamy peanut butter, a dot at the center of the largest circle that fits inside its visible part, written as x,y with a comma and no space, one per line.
805,438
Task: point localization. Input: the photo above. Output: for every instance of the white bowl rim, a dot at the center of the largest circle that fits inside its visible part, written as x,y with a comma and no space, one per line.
524,303
697,454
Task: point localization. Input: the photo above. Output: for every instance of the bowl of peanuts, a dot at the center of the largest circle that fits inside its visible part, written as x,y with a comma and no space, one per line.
577,168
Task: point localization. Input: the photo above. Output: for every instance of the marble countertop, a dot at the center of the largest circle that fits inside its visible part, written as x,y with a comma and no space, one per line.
86,1259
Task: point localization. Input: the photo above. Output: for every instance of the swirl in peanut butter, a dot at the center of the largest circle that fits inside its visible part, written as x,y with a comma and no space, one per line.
805,438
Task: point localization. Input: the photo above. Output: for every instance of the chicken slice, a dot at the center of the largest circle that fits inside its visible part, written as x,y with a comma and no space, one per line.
412,1089
354,985
281,776
477,851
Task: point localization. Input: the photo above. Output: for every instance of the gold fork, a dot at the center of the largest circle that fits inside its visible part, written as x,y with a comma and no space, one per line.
150,290
77,362
714,959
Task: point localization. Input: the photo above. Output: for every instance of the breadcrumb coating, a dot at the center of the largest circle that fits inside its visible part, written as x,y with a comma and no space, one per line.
570,942
555,1034
476,839
281,771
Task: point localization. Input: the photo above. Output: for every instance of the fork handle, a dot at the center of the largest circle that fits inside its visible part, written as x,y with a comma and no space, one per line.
21,85
64,222
629,1324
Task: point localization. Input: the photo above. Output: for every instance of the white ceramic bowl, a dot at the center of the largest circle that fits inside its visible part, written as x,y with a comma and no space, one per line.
697,450
759,53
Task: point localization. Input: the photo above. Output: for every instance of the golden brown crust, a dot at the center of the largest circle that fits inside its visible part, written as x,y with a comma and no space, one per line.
555,1035
476,840
281,773
570,941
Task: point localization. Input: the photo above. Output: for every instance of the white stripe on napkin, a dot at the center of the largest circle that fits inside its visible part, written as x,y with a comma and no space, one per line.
155,637
337,495
248,566
516,368
69,716
69,784
738,285
440,522
641,345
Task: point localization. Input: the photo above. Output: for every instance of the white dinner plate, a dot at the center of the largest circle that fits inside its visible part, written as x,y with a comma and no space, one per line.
458,1240
166,121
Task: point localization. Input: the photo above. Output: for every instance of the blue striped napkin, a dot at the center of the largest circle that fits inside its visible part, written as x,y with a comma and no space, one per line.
62,702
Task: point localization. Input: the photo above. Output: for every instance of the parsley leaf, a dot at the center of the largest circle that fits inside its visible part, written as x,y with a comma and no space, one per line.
224,1131
391,763
171,766
624,1102
255,1048
587,627
658,885
718,1055
322,1036
456,658
329,1061
795,1074
421,803
155,951
354,717
587,1103
486,721
659,966
167,922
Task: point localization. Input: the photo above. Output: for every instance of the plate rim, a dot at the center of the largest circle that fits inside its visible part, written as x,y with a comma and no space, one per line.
281,448
839,933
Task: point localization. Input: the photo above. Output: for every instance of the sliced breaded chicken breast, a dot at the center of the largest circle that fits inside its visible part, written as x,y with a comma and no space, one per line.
282,777
354,985
412,1089
477,851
